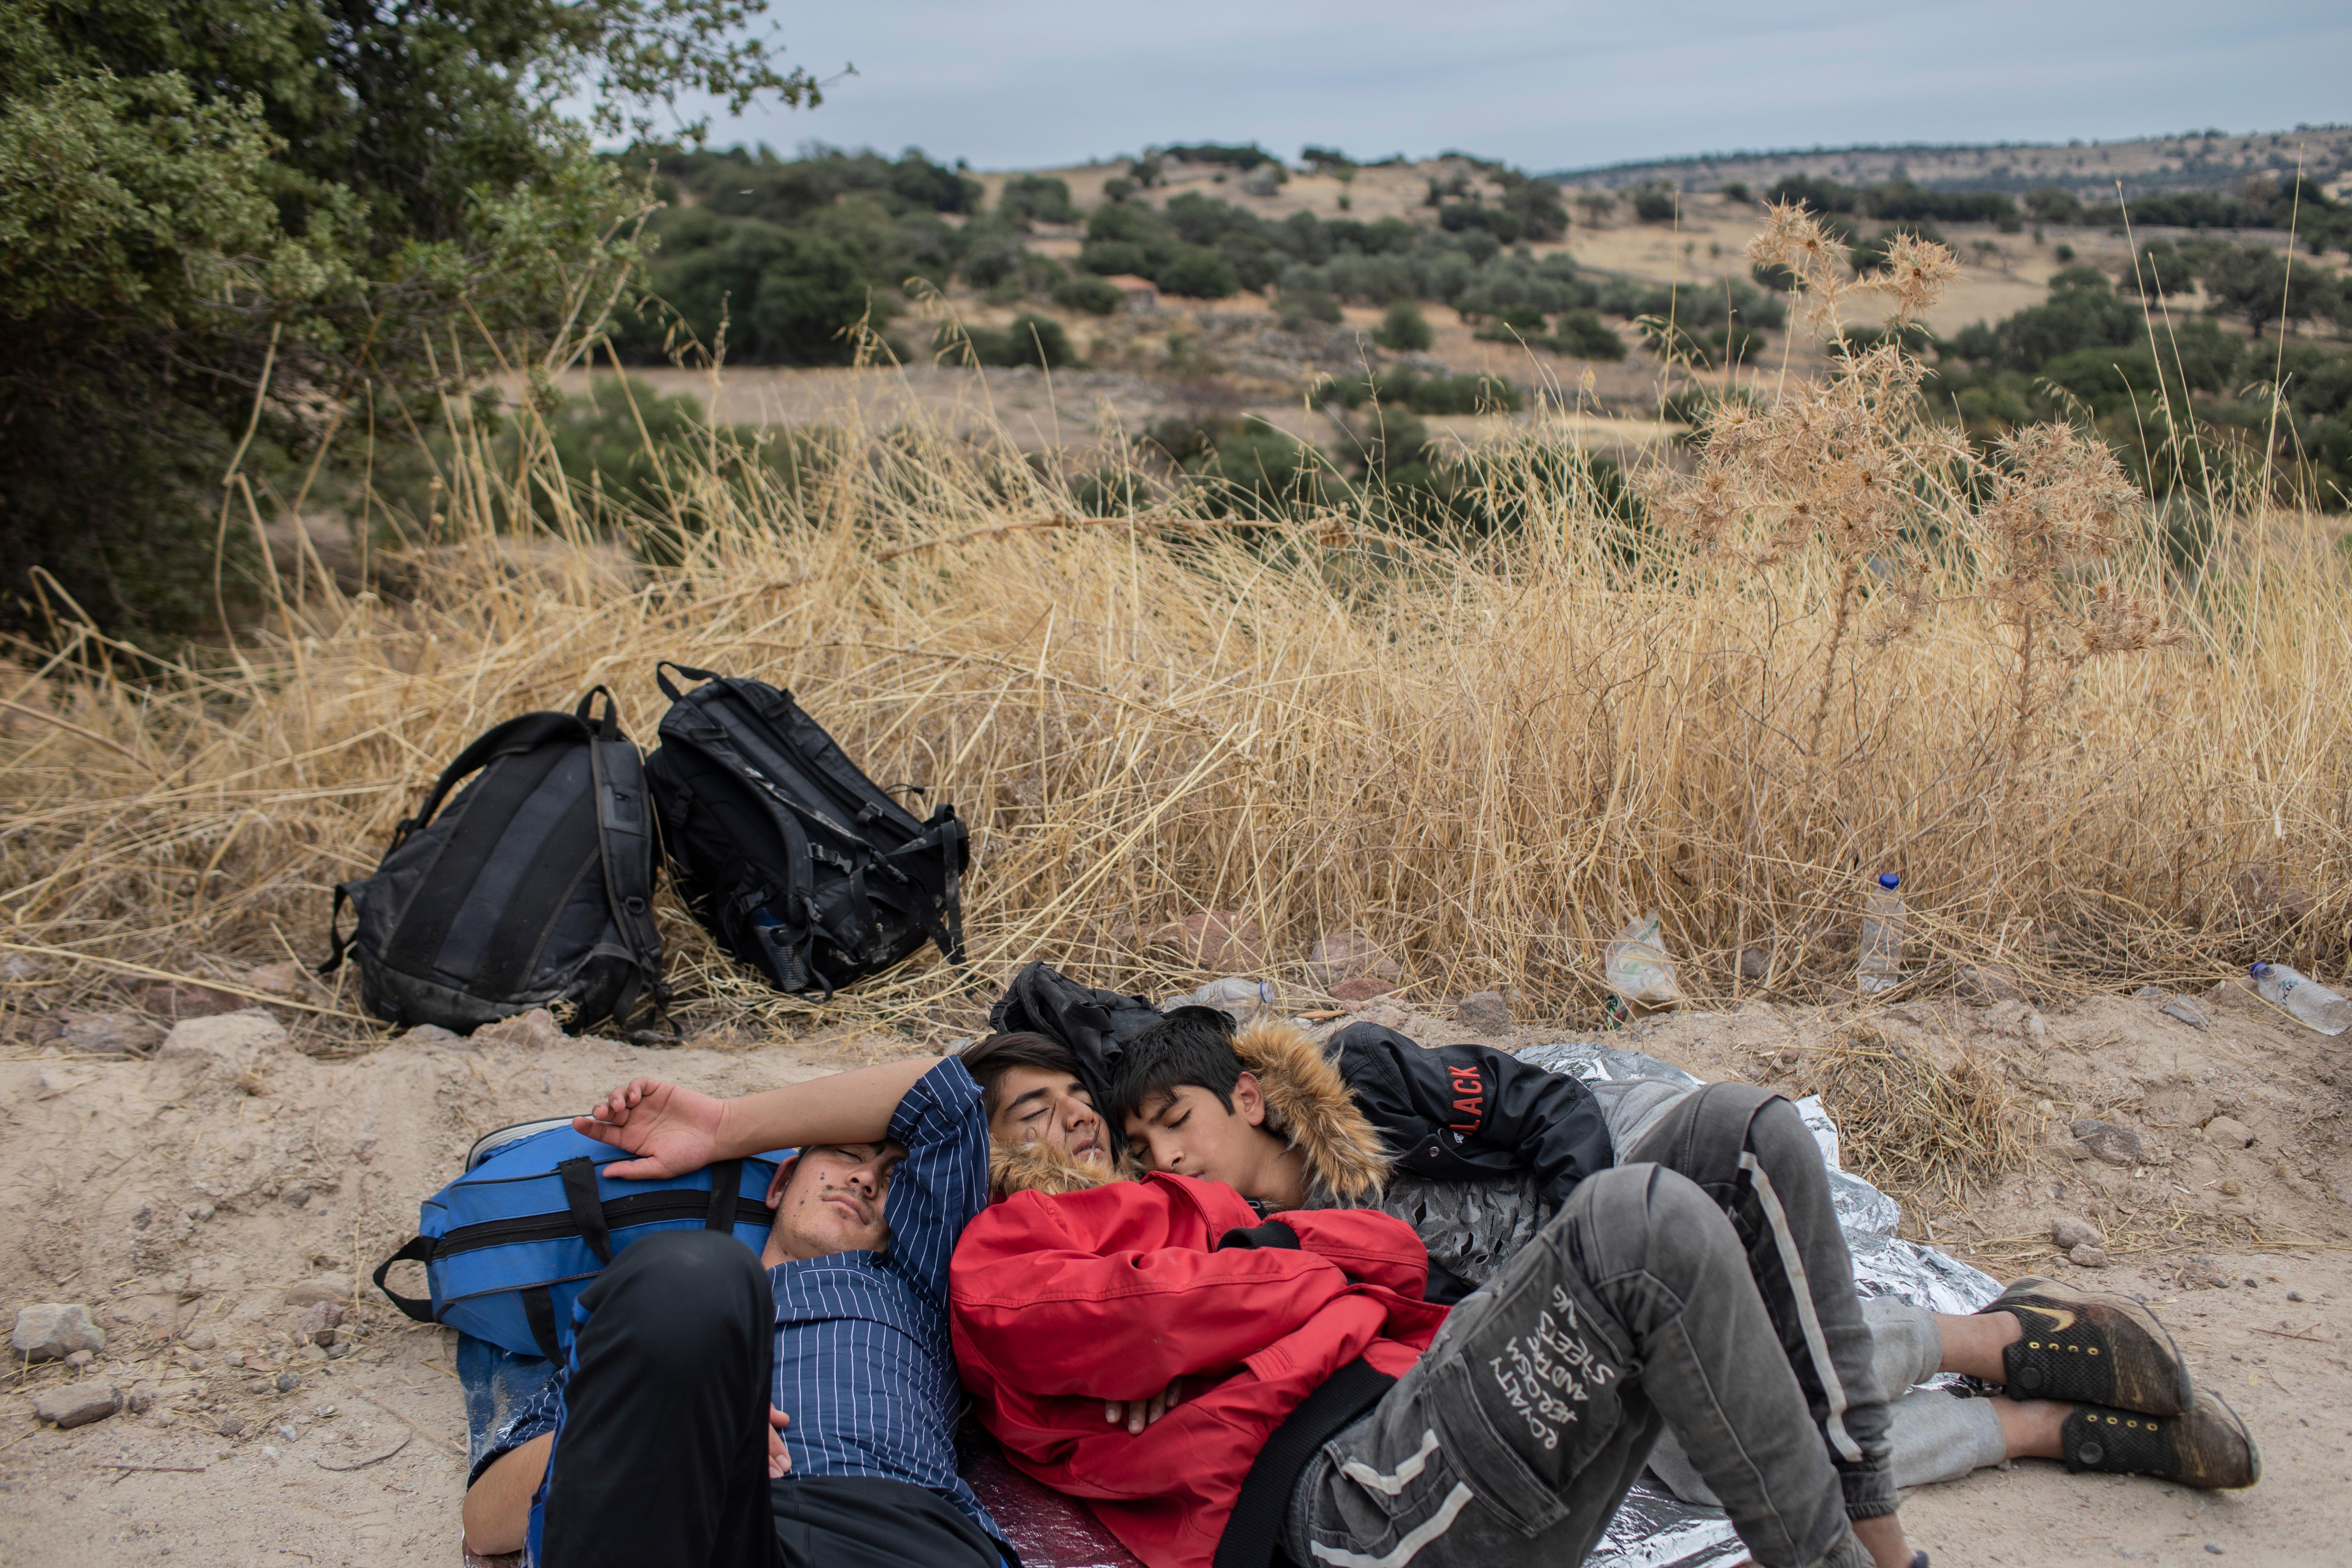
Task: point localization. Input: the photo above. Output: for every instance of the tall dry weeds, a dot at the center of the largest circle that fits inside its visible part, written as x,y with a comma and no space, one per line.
1485,755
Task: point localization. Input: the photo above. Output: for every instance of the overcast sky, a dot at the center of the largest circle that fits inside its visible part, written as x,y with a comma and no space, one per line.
1033,83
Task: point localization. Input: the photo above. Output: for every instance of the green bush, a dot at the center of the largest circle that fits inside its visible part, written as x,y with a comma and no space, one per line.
1655,202
1464,394
1030,339
1085,293
1581,334
1403,329
1513,323
1037,198
1197,272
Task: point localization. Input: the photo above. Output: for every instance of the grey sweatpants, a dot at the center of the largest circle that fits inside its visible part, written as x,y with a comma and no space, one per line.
1515,1437
1931,1436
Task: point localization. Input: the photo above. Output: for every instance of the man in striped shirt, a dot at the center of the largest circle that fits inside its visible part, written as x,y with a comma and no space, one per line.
798,1408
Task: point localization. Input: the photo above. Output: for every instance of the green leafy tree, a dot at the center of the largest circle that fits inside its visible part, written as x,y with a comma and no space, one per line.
1037,198
1403,329
210,208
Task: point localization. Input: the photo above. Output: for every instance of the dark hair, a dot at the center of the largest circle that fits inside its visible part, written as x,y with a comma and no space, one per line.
989,1060
1192,1045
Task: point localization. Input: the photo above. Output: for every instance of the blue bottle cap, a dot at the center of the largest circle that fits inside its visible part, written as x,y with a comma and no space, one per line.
1889,880
2258,970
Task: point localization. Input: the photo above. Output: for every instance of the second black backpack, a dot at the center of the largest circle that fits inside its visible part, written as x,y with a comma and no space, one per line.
798,864
534,890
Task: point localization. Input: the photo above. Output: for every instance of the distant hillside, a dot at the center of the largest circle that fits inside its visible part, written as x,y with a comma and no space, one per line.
2194,161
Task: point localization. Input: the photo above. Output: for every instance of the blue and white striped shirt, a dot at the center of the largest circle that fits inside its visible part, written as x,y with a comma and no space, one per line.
863,1363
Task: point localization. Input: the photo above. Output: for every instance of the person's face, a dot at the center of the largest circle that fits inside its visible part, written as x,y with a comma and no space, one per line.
829,1200
1034,1103
1190,1133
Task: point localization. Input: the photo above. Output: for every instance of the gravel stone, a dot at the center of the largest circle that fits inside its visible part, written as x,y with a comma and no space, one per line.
2086,1255
1488,1012
52,1330
2229,1133
2105,1140
2069,1233
288,1381
74,1405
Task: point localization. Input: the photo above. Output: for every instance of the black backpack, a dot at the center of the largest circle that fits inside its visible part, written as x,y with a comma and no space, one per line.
534,890
1092,1023
794,861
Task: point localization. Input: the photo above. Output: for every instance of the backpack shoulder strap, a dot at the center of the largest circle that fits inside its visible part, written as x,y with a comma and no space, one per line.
520,734
625,838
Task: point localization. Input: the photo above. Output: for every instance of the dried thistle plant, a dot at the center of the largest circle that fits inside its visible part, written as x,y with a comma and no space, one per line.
1837,465
2053,515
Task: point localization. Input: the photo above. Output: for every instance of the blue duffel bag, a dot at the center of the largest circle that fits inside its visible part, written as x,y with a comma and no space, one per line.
508,1245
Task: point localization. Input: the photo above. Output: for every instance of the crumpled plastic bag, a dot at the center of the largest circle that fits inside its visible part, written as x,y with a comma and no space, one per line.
1638,967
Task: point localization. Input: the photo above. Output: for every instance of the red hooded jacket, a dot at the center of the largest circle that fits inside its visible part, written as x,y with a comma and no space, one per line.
1060,1302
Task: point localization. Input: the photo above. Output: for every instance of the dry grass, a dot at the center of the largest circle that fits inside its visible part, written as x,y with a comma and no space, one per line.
1926,1132
1486,754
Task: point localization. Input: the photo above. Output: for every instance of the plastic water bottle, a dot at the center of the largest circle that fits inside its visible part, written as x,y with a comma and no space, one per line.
1880,965
2305,997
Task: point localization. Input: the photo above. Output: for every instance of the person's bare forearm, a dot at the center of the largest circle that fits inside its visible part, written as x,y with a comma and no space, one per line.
497,1512
846,1108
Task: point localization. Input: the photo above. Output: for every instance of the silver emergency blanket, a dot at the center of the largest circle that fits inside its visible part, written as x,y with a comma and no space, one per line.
1654,1529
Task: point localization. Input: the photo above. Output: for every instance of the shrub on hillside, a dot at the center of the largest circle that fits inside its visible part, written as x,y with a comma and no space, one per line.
1037,198
1581,334
1655,202
1298,305
1085,292
1198,273
1403,329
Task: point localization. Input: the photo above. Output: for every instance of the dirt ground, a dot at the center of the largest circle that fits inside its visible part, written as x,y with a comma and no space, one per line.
199,1200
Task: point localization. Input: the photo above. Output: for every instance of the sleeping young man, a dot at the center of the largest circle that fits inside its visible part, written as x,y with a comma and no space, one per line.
796,1408
1490,1145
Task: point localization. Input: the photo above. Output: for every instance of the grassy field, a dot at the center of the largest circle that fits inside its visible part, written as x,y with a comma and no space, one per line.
1840,643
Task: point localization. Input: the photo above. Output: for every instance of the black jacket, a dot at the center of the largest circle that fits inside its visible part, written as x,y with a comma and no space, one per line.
1471,1112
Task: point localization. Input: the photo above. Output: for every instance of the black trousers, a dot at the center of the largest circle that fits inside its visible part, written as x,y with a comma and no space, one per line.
662,1461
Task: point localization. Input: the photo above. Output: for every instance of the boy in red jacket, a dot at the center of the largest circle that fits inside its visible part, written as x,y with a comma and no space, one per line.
1330,1414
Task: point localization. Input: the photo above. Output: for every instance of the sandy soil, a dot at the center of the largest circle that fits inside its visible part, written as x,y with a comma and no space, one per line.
184,1198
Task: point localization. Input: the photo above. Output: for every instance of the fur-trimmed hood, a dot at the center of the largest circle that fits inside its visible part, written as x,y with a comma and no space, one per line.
1309,1106
1042,1167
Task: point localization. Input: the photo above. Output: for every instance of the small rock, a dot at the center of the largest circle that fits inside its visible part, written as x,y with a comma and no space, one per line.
79,1360
310,1292
2295,1295
1488,1012
323,1412
185,999
289,1381
1349,955
1982,984
295,1197
535,1030
1362,988
109,1033
256,1386
74,1405
2229,1133
322,1325
230,1426
141,1400
52,1331
233,1039
233,1358
199,1339
2105,1140
1755,963
1224,941
2070,1233
2036,1027
428,1034
340,1349
2086,1255
2233,1189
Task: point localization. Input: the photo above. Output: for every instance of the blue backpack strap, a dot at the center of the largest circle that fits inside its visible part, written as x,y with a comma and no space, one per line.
579,1175
415,1249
